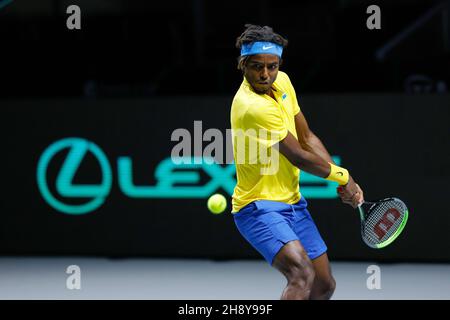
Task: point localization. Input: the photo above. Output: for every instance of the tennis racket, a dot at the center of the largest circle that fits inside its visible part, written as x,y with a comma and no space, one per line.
382,221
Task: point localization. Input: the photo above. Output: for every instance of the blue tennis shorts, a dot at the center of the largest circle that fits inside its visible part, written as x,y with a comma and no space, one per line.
269,225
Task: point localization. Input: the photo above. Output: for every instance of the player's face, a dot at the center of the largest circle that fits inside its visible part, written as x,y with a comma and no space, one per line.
261,71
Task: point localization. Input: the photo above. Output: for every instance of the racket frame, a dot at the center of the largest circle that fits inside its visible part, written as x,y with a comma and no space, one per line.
397,232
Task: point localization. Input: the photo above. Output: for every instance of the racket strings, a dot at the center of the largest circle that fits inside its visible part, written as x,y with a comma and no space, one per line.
383,221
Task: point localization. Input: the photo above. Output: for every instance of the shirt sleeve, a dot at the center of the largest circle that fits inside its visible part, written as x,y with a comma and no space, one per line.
265,125
295,103
291,90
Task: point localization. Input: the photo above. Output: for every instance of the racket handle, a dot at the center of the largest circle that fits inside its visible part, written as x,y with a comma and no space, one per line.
341,188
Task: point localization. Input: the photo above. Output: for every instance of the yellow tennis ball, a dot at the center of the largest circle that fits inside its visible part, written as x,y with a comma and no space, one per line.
217,203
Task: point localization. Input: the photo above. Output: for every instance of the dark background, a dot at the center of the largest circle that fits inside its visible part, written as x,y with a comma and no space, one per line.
137,70
147,48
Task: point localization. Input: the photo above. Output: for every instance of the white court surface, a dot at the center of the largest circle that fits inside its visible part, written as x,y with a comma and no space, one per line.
170,279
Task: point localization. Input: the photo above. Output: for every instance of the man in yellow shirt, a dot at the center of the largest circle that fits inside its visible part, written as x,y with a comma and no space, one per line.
272,143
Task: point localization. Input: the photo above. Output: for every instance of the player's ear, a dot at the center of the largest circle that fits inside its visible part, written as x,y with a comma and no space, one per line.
243,63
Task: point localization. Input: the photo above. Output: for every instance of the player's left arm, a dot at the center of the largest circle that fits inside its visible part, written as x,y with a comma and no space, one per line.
308,139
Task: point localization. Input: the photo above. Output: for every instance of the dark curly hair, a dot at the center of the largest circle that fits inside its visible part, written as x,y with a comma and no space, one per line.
255,33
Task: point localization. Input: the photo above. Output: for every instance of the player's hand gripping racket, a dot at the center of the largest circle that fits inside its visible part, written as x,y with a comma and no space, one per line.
382,221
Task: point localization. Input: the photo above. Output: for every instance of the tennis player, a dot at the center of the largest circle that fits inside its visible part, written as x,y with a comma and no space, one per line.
269,210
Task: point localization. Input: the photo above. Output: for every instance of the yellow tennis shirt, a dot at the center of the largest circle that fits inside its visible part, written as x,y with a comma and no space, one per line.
257,123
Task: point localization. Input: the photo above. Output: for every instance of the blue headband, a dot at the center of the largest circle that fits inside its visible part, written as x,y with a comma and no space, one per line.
259,47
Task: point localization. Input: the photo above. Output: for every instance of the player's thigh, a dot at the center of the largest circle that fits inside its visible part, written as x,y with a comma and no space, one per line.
322,269
293,260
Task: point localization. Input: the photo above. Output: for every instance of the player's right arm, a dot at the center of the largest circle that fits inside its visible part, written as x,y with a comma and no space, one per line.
269,120
316,165
309,154
303,158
